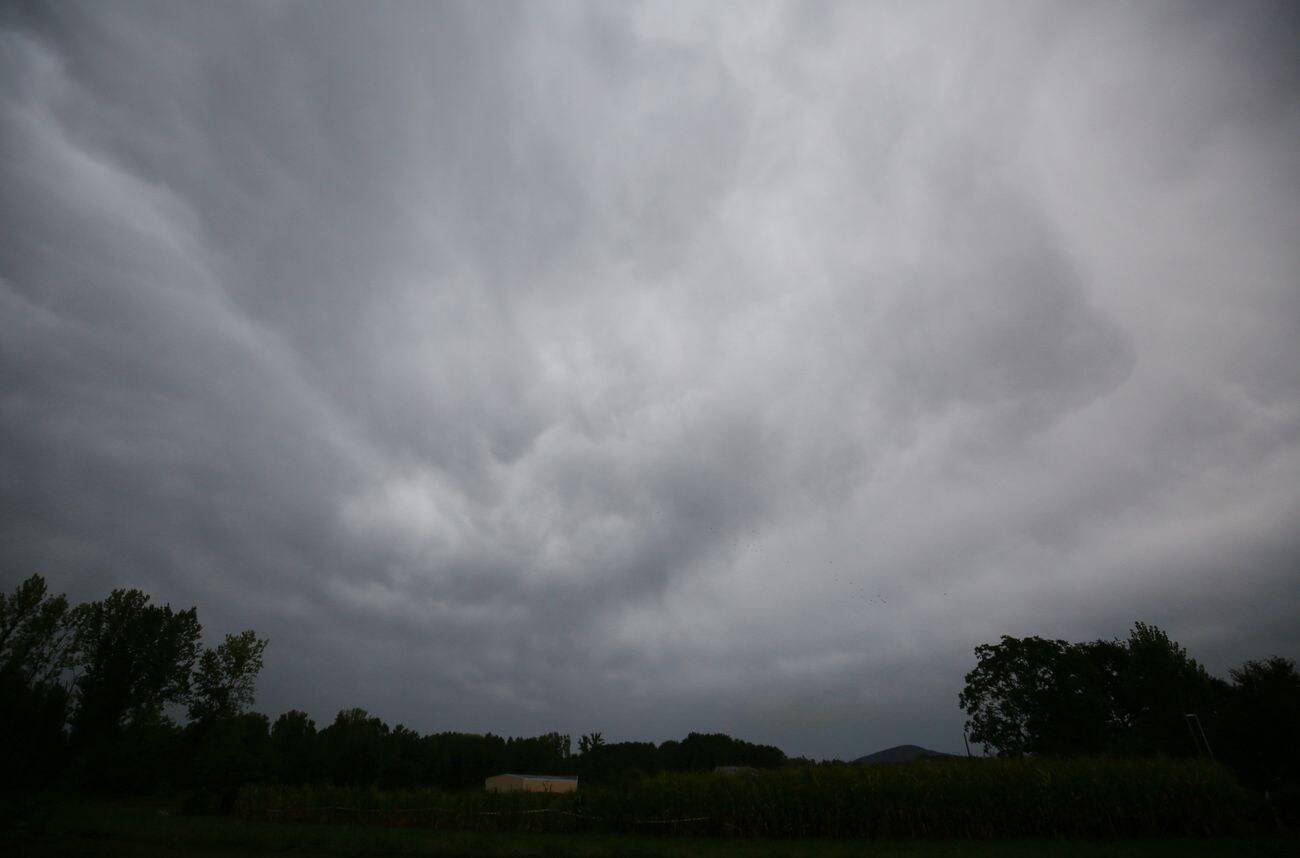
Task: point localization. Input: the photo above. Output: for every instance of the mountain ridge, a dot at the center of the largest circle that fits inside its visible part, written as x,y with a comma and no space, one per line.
901,754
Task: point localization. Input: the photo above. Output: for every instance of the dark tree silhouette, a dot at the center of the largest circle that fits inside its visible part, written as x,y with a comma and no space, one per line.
293,748
1036,696
1260,739
36,649
135,660
226,676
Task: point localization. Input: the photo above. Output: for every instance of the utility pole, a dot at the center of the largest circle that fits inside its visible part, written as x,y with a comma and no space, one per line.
1199,739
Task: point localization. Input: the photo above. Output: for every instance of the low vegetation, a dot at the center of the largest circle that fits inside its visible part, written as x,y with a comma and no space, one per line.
955,798
154,828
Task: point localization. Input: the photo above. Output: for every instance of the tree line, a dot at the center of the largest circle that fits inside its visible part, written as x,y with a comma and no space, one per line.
91,696
1142,696
359,749
120,694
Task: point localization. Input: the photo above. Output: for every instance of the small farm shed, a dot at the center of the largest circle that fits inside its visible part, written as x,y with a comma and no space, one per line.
531,783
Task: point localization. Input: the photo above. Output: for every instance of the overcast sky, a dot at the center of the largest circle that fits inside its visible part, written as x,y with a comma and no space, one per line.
656,367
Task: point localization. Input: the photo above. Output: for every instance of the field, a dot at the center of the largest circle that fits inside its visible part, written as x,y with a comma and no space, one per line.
941,808
152,829
950,799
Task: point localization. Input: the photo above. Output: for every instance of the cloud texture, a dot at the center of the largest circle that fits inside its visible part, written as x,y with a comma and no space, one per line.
656,367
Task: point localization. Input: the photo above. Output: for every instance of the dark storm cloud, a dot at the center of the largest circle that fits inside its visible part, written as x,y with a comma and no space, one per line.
655,368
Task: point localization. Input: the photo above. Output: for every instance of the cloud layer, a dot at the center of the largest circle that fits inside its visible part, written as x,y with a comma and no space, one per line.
658,367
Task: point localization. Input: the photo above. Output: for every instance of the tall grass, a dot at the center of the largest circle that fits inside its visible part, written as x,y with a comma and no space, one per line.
931,799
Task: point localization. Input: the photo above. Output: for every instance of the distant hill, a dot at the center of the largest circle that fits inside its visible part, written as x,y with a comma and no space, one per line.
901,754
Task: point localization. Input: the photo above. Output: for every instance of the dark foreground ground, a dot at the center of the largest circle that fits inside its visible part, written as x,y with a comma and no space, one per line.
145,829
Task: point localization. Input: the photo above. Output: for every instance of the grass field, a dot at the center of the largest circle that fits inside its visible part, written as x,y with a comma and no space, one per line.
145,829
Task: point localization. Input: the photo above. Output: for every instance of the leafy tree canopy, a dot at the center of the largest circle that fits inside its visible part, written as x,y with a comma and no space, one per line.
1036,696
36,642
135,660
226,677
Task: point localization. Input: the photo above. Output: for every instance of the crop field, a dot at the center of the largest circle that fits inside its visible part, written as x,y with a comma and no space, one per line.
969,799
153,828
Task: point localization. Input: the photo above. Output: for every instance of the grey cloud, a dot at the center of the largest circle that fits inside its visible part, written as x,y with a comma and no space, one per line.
1004,323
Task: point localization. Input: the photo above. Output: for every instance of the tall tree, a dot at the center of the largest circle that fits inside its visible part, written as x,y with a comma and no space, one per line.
1015,692
1036,696
1261,737
226,677
136,660
36,650
36,639
1161,686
